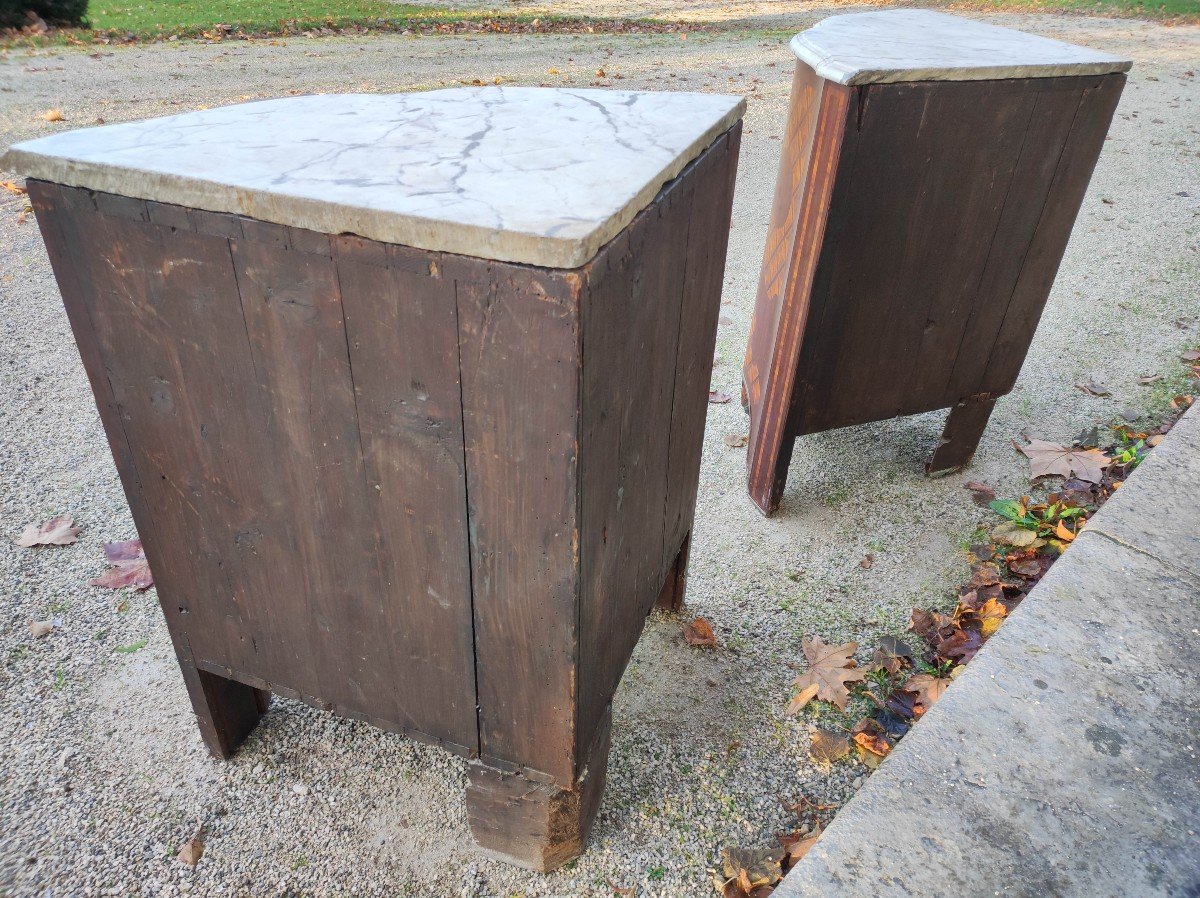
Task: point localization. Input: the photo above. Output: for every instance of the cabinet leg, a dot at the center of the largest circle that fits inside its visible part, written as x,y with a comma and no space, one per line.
767,479
539,826
670,597
225,710
964,429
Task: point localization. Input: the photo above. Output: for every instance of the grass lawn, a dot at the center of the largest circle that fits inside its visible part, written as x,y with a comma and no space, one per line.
173,16
1146,9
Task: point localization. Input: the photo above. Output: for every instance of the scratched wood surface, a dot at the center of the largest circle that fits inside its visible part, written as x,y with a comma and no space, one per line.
649,332
432,492
932,254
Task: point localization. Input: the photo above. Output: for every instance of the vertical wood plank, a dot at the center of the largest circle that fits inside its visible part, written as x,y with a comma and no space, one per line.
402,327
293,318
812,171
708,242
519,352
1072,175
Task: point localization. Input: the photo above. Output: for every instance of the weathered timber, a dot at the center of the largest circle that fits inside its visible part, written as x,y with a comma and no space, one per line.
915,234
436,493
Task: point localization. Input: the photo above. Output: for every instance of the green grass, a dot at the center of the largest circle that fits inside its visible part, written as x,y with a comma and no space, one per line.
149,17
1145,9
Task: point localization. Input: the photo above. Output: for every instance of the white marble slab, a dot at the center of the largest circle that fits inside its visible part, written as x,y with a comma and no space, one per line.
923,45
541,176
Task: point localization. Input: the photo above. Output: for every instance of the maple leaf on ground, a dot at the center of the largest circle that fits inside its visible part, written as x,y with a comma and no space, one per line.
718,397
1055,460
827,746
927,687
796,845
991,616
129,566
891,655
60,531
699,633
830,668
735,440
753,867
986,573
871,741
961,645
981,493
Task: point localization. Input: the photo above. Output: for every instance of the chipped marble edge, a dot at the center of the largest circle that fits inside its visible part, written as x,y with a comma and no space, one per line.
853,75
430,234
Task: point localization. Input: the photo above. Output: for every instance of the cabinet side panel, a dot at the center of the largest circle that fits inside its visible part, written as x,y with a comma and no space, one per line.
1080,152
819,123
708,242
632,497
519,356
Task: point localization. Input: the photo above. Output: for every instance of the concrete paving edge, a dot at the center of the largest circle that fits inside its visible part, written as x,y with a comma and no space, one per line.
1064,760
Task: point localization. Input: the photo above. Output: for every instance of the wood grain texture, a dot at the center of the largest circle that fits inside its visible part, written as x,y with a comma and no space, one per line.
519,351
431,492
817,125
650,314
951,207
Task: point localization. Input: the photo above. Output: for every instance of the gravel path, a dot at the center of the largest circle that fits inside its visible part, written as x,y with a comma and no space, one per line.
103,773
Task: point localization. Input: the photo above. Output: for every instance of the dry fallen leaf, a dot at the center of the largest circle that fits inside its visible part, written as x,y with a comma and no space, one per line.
980,492
796,845
867,562
40,628
828,746
699,633
53,115
753,867
1054,460
718,397
1192,355
1093,388
927,687
830,668
13,187
1148,379
129,566
991,616
191,851
60,531
618,890
735,441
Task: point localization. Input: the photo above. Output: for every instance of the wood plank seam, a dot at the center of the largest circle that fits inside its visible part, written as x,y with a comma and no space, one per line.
466,487
996,231
823,163
1034,233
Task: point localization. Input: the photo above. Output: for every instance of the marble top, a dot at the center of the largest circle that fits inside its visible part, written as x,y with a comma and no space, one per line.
544,176
923,45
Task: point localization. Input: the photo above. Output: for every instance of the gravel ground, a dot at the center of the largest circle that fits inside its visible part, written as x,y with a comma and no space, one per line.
103,773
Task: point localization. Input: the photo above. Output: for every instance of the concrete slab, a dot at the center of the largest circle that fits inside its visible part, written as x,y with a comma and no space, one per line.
1063,761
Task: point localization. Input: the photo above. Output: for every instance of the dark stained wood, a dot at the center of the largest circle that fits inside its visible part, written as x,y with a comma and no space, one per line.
534,824
519,356
644,405
931,256
964,426
817,125
435,493
404,364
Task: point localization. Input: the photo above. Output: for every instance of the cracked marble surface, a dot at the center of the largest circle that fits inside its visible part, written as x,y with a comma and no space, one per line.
544,176
923,45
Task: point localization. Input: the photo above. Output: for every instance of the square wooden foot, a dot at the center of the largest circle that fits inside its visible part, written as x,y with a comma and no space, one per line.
225,710
670,597
539,826
964,429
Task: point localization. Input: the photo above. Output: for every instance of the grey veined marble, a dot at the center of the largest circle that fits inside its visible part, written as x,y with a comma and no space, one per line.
536,175
922,45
